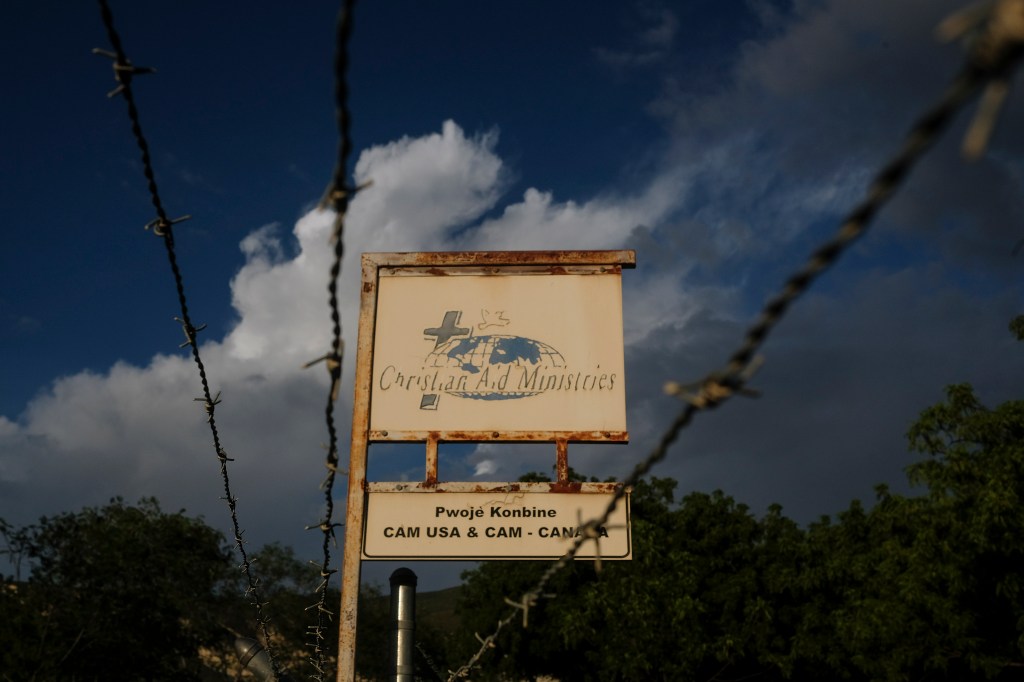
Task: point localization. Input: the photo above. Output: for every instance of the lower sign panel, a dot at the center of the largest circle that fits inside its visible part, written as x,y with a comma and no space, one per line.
503,522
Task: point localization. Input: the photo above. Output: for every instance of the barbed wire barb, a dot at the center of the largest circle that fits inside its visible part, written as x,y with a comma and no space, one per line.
190,332
161,224
124,70
209,404
717,386
994,35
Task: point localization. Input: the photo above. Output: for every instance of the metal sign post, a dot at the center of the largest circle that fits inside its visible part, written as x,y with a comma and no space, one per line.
482,347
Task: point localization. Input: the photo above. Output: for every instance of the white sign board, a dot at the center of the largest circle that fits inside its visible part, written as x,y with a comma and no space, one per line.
477,347
425,525
509,354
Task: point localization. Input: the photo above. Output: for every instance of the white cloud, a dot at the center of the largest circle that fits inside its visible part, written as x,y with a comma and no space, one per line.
423,189
485,467
541,222
281,302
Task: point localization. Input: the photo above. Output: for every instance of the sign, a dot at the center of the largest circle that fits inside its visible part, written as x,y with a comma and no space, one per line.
510,521
515,353
475,347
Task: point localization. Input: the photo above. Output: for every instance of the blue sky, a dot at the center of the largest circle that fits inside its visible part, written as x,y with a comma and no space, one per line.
722,141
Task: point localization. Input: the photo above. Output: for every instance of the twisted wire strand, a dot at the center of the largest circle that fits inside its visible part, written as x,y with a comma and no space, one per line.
337,198
430,661
163,227
988,61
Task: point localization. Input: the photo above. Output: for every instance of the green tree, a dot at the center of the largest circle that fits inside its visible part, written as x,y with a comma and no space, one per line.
708,593
928,586
132,593
705,596
1017,327
970,539
113,593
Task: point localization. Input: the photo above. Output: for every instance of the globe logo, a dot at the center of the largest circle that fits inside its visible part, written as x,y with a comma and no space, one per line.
485,367
500,365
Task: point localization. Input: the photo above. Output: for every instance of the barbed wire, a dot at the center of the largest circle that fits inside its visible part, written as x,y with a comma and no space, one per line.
336,197
995,32
430,661
163,227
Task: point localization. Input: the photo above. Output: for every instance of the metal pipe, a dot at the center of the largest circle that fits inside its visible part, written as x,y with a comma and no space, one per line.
256,660
403,626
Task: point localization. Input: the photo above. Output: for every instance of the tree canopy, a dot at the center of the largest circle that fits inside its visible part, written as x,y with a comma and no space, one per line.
116,593
130,592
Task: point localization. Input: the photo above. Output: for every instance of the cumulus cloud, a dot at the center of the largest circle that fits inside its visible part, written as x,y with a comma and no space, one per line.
539,221
424,189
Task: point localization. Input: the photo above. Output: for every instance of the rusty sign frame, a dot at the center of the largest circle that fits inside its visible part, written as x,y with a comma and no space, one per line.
441,264
588,295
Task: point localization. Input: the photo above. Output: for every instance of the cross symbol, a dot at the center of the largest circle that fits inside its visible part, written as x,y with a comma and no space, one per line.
447,329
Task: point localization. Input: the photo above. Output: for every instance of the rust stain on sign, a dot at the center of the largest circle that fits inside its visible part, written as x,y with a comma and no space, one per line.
623,258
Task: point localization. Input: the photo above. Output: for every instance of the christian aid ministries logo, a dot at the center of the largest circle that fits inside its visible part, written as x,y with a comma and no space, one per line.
467,364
